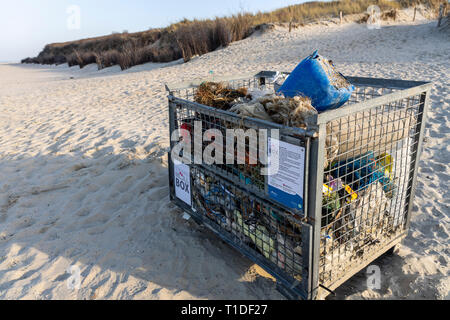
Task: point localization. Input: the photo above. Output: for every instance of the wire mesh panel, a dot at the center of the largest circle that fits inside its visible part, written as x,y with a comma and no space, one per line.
367,184
268,233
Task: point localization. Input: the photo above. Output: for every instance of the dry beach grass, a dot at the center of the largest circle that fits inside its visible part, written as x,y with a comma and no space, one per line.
186,39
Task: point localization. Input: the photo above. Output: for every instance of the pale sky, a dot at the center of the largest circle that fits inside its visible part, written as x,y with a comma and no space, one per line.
26,26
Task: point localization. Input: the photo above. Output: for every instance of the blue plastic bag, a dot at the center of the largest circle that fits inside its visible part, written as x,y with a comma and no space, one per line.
317,78
360,172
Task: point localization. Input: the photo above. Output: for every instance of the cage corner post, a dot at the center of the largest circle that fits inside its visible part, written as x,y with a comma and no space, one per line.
418,147
314,211
172,114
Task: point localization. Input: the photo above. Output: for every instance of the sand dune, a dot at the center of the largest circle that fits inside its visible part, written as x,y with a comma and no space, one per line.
83,173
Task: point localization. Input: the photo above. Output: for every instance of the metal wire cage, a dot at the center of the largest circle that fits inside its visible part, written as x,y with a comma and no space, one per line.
360,170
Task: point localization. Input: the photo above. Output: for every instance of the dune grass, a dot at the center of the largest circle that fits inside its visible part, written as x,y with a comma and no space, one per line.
189,38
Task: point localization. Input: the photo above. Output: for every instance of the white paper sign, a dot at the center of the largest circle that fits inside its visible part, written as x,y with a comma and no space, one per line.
286,184
182,181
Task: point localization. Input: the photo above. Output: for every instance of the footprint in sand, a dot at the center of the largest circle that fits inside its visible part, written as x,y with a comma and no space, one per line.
43,230
24,223
5,236
82,212
79,167
12,200
96,230
96,220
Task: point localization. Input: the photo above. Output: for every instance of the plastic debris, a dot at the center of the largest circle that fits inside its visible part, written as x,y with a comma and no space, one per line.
317,78
370,215
359,172
186,216
258,234
287,256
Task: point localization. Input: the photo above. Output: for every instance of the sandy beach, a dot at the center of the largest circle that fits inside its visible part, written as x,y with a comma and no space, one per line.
84,179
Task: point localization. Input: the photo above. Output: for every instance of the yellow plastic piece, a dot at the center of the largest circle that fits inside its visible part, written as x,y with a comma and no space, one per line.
327,190
349,190
385,161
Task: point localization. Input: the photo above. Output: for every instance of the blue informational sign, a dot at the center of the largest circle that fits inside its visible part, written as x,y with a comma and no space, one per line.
286,173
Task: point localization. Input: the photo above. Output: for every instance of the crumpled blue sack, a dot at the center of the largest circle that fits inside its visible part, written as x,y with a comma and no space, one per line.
360,172
317,78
